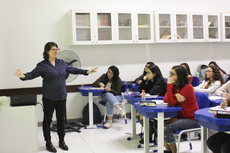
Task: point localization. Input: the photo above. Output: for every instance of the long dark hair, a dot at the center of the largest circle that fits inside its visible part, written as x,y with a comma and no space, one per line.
47,48
217,76
214,63
115,72
187,67
182,76
158,75
150,64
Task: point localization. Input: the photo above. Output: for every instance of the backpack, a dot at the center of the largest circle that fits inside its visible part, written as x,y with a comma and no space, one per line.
96,114
202,70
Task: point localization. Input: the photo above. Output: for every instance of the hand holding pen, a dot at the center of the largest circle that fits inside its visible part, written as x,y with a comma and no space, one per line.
224,103
225,94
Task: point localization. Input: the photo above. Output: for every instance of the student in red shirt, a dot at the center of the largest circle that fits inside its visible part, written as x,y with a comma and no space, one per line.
179,93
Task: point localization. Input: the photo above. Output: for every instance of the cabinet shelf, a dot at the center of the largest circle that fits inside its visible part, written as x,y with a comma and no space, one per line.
106,27
164,26
82,27
125,27
213,27
181,27
197,27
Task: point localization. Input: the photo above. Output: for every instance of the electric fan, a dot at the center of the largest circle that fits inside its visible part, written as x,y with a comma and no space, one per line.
71,59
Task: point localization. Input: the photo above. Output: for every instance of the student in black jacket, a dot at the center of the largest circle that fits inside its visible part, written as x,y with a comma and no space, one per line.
154,84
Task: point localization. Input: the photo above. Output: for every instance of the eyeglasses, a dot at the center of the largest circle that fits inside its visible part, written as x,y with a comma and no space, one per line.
58,49
208,71
171,73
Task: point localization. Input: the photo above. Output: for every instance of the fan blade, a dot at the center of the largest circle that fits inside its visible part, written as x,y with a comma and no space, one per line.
70,63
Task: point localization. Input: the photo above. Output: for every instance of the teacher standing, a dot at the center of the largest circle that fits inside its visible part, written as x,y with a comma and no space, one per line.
54,72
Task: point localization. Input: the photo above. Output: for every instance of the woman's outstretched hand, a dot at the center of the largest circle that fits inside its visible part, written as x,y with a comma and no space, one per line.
19,73
92,70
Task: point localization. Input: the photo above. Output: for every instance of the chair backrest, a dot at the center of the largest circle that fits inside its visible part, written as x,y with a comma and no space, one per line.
202,99
195,81
124,86
166,80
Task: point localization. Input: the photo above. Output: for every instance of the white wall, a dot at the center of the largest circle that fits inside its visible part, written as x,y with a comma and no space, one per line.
26,25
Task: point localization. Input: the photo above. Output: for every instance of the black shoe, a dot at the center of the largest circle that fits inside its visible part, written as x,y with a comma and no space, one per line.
50,147
165,151
183,136
63,146
142,140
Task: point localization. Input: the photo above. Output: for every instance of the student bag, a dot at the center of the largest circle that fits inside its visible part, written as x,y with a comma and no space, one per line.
96,114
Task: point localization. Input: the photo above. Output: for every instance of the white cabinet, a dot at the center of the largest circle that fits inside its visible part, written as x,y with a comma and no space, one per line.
172,26
225,26
18,129
91,27
205,27
134,27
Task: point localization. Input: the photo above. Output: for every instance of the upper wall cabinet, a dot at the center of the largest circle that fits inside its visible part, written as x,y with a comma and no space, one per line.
205,27
172,27
134,27
225,26
91,27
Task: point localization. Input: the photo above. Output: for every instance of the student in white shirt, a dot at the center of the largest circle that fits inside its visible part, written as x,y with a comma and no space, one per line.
223,90
213,80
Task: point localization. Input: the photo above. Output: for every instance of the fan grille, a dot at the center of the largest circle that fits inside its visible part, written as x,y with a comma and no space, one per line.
72,59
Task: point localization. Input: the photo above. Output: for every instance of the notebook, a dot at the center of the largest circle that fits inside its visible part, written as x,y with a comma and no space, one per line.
23,100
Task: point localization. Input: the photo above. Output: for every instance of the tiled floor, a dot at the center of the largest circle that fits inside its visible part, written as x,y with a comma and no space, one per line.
113,140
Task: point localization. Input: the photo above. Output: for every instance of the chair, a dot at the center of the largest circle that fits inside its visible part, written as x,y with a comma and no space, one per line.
166,80
203,102
124,87
195,81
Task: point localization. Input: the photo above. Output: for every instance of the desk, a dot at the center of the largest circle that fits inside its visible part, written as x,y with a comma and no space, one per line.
208,121
18,129
133,87
159,112
131,100
90,92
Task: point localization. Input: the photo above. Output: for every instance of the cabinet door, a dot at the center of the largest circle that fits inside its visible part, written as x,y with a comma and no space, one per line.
80,27
124,24
182,27
225,25
104,27
213,27
163,26
198,27
144,23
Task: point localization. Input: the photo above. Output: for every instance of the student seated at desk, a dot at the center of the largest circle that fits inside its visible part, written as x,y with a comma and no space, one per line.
139,79
111,82
222,72
154,84
219,142
213,80
223,90
179,93
185,65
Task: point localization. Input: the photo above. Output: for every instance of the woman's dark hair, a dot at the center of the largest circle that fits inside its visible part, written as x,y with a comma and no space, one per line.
158,75
150,64
214,63
182,76
217,75
115,72
47,47
187,67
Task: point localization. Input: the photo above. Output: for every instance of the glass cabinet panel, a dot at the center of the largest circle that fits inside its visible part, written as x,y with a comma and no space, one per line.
227,27
213,27
144,27
104,26
198,31
182,26
125,26
83,31
164,26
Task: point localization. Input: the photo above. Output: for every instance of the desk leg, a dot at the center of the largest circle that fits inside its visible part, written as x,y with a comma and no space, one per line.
204,137
91,111
160,132
146,135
